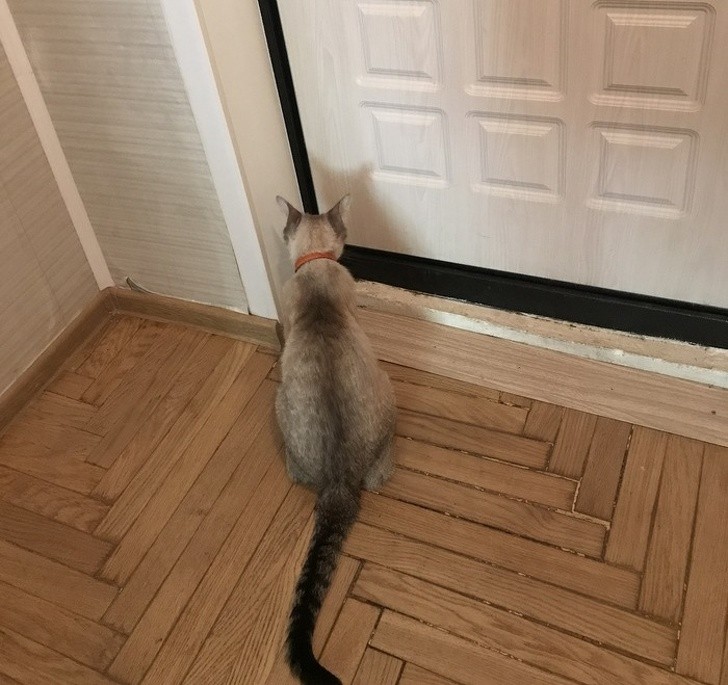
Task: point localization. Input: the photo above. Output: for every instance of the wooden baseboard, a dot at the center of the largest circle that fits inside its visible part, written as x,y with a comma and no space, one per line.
661,402
44,368
206,317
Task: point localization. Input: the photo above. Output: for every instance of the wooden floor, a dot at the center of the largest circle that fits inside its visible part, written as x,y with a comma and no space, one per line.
149,534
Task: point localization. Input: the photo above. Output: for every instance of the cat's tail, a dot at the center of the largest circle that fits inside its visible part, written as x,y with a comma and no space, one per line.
336,510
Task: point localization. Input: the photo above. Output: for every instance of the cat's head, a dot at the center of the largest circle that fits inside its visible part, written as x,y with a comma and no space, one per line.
306,233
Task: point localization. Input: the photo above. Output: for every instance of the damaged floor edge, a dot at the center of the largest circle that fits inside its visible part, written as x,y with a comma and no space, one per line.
706,365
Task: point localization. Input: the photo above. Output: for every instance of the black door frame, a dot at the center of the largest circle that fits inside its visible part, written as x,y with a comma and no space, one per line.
581,304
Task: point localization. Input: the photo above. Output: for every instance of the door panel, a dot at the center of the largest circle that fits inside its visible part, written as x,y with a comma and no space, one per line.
584,142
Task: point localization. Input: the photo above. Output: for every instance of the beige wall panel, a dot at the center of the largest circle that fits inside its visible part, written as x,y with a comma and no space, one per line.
44,277
239,55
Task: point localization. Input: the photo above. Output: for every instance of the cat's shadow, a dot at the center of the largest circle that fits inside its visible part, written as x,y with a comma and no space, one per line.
367,213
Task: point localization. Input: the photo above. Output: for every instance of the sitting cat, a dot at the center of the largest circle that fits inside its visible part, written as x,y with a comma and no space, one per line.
335,407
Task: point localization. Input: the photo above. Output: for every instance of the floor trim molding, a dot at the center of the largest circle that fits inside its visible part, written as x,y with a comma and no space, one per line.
44,368
207,317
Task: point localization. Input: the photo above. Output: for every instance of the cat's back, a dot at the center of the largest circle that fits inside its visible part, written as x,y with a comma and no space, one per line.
324,340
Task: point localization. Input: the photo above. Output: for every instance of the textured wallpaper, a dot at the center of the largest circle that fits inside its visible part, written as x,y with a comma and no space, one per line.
44,277
109,77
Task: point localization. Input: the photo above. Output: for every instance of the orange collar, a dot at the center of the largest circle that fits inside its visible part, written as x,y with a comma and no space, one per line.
305,259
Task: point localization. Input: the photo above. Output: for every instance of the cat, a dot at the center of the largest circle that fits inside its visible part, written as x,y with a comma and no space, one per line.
335,408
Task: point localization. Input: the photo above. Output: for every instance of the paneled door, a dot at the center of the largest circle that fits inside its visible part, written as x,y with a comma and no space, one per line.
570,139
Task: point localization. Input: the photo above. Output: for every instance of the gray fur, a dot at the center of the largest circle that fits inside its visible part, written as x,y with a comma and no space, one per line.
335,405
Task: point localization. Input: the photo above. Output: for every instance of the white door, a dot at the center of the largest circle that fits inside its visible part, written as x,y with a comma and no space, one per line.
575,140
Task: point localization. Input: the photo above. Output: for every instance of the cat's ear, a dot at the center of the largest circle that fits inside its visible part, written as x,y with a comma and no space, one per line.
293,217
286,207
339,214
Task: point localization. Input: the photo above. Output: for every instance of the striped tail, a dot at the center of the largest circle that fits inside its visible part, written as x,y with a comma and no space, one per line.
336,510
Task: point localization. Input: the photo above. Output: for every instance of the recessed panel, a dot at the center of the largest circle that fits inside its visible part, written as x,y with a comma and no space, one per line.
520,48
654,54
642,170
519,157
400,43
410,144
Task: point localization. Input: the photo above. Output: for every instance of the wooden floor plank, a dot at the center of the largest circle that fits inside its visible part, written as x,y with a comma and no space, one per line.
459,436
345,648
202,521
598,490
377,667
71,474
33,664
260,521
159,604
144,407
531,598
88,642
50,434
70,384
49,409
138,450
496,476
38,438
449,655
82,353
669,551
520,518
275,373
471,544
106,350
128,355
543,421
344,576
572,443
51,501
414,675
130,503
629,534
52,539
246,637
53,453
450,405
198,528
504,632
407,374
238,420
54,582
572,571
515,400
702,636
138,387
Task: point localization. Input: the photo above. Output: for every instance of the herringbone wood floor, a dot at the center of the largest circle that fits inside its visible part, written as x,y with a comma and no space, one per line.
148,533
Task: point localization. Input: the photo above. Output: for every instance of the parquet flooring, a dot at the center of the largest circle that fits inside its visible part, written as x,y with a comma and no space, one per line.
149,534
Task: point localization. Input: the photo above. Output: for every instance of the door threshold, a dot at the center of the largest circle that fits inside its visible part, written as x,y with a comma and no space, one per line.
697,363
